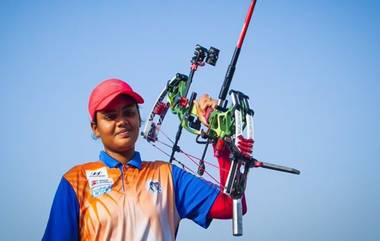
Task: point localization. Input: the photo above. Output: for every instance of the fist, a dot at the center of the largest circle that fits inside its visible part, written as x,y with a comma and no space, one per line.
205,105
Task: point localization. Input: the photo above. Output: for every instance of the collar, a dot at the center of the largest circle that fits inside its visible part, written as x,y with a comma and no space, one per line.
112,163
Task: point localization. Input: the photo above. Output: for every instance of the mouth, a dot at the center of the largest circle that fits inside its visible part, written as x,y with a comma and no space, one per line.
123,133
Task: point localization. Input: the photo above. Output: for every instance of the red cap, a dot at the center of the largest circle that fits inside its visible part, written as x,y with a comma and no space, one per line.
106,91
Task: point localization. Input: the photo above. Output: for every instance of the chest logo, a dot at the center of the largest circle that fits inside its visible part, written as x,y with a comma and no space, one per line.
154,186
99,181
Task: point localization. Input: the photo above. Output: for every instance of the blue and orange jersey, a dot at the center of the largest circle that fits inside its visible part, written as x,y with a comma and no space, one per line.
108,200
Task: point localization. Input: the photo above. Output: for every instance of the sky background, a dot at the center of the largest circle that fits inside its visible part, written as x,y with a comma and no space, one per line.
311,69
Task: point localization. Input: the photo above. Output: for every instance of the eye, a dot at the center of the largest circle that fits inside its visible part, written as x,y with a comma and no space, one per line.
110,116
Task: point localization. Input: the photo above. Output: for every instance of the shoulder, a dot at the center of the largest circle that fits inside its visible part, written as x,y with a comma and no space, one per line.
155,164
79,171
162,167
85,166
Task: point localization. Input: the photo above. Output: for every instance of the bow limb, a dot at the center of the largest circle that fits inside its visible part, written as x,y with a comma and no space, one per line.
161,106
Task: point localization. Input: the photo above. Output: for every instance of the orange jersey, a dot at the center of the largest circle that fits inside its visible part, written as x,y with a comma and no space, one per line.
106,200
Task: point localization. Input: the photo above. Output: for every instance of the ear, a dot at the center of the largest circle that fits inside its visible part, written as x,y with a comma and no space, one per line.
138,111
94,128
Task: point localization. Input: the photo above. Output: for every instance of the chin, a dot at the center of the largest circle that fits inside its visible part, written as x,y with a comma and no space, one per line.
125,146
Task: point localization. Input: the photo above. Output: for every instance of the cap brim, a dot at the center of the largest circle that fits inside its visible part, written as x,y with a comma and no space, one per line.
106,101
136,97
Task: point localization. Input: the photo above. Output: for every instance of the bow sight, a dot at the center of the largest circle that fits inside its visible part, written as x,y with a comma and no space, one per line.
228,125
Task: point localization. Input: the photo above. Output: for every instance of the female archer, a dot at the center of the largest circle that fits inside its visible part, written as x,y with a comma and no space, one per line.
121,197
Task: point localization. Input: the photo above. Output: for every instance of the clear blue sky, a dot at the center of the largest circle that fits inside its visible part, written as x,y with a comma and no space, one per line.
311,69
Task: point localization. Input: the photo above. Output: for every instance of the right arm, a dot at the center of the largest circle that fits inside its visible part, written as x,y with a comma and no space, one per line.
63,224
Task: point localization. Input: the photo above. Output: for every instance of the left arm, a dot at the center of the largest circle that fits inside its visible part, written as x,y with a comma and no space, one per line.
222,206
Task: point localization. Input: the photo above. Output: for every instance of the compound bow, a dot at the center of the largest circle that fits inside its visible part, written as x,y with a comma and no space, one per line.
231,125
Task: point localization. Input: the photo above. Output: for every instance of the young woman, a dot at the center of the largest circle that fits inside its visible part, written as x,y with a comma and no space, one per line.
120,197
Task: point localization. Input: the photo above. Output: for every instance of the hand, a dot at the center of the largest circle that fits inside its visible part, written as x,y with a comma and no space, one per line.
205,105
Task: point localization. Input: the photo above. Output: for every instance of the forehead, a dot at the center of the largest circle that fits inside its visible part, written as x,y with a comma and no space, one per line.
120,102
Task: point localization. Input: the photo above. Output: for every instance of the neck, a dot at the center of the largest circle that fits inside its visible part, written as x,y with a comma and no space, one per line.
122,157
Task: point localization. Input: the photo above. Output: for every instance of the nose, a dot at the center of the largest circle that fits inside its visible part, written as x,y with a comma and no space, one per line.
122,120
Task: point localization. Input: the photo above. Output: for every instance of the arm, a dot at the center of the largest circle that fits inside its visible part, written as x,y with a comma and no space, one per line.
193,196
222,207
63,222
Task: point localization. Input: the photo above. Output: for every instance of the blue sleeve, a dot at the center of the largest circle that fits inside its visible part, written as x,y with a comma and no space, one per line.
63,224
193,196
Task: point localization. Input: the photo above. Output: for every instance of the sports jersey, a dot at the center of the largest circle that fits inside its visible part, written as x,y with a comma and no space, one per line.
108,200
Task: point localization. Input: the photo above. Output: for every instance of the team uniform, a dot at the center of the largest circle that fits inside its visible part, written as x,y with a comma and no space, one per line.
106,200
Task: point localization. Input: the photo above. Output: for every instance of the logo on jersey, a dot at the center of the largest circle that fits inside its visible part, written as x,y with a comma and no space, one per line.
99,181
154,186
